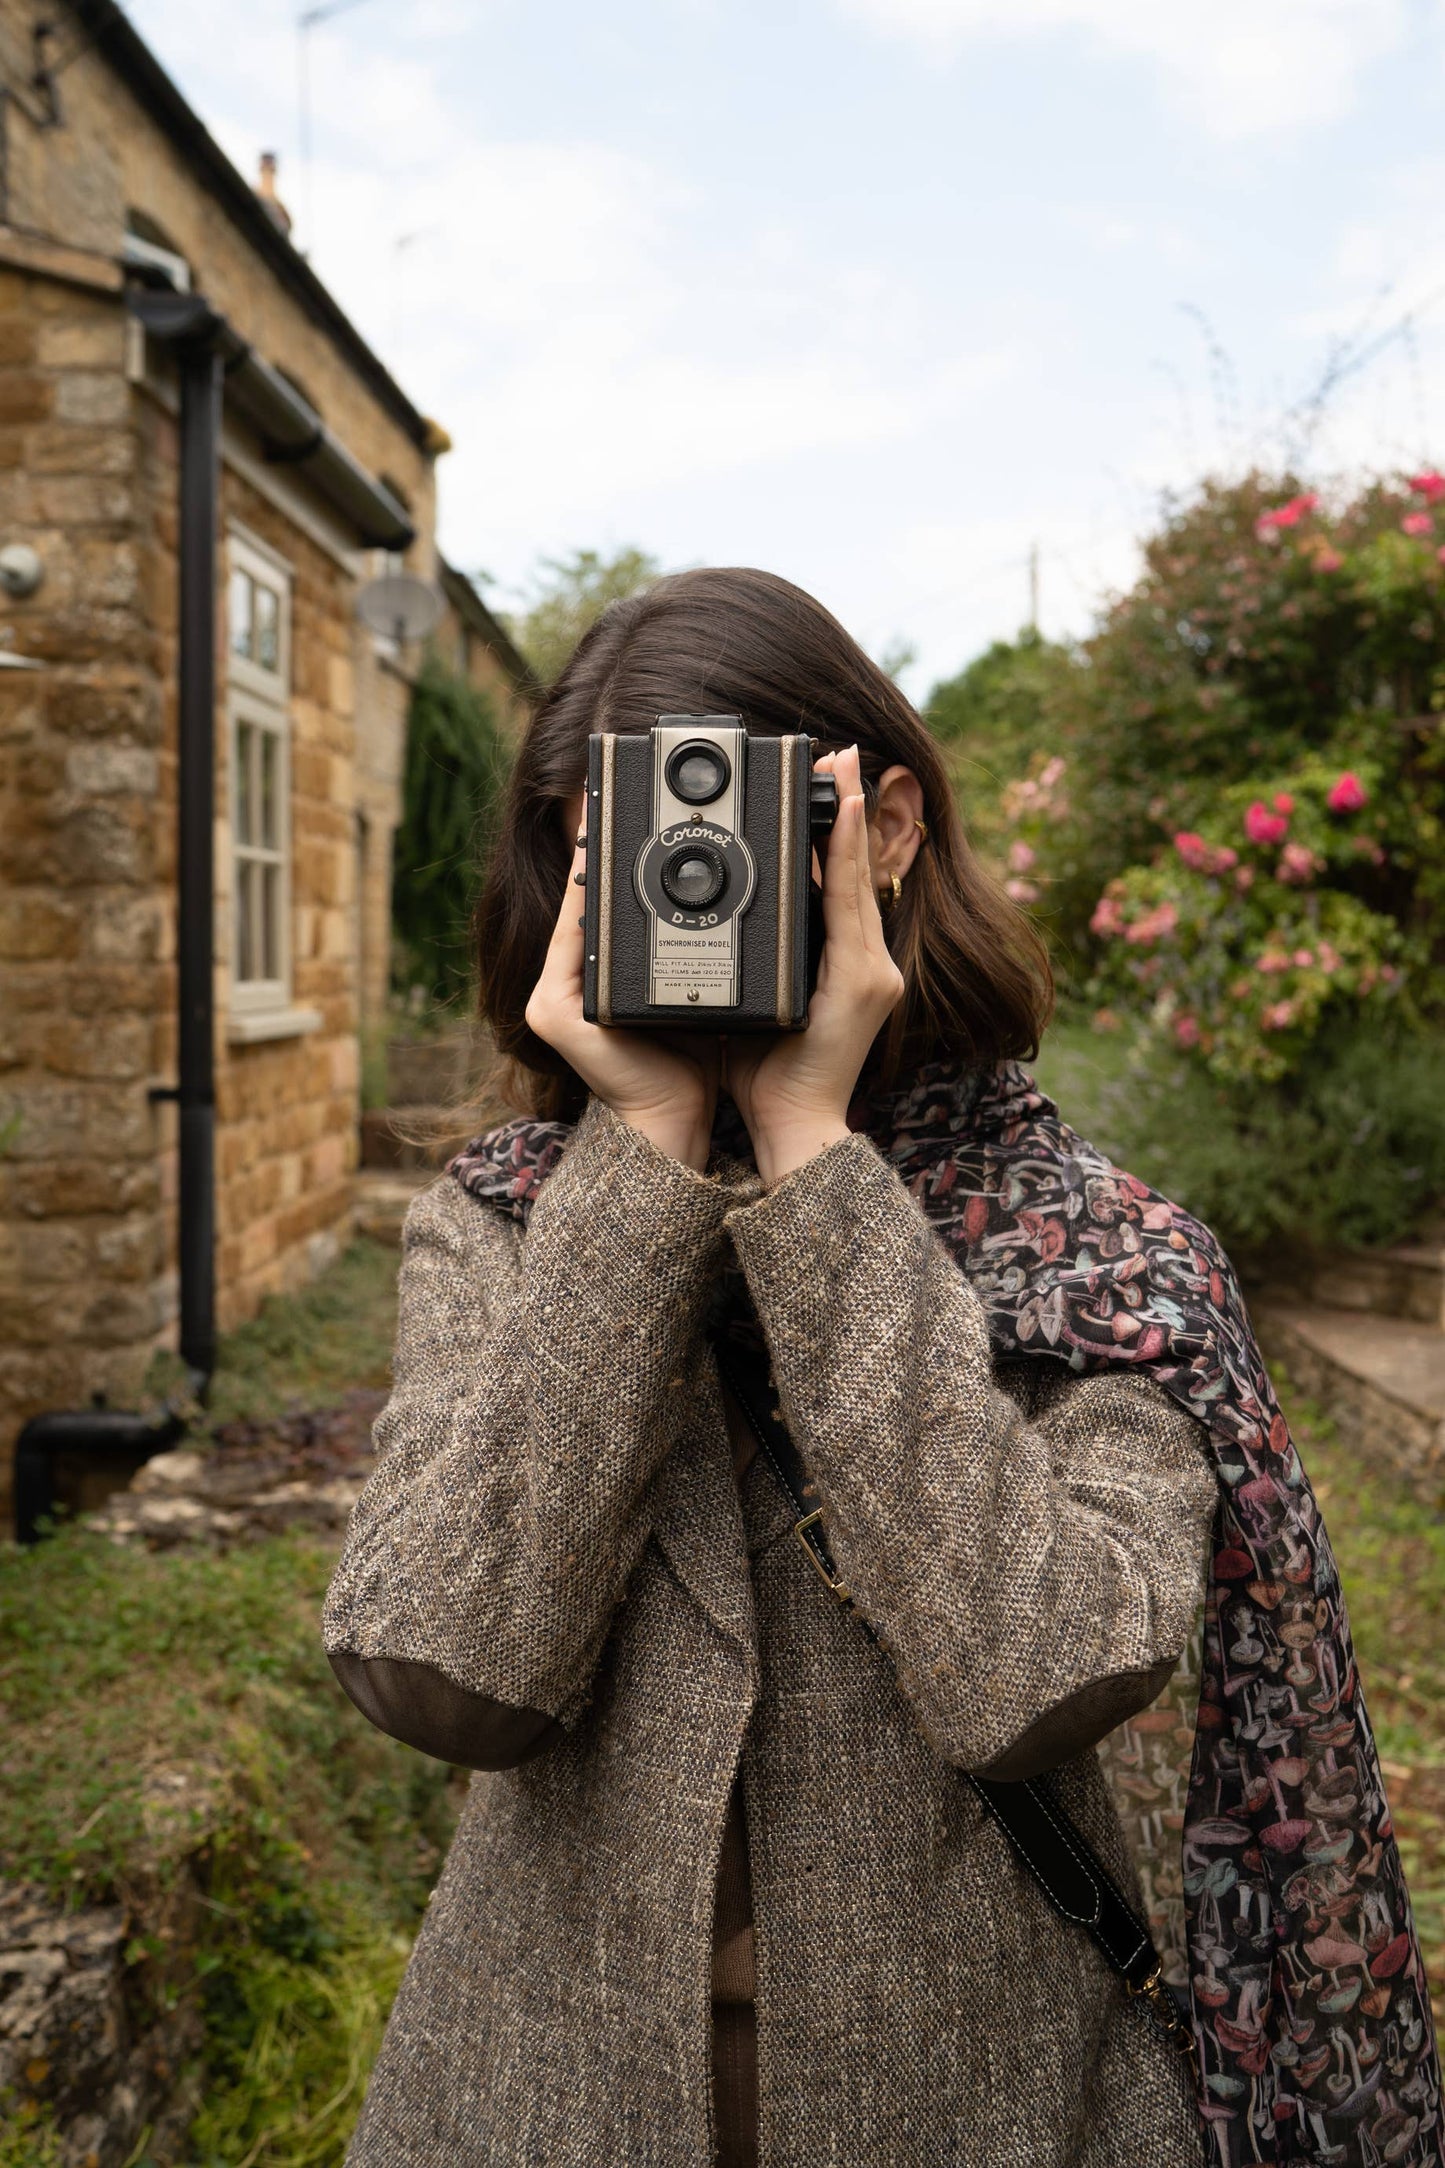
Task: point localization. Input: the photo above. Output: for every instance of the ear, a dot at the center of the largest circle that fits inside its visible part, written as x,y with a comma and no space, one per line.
894,836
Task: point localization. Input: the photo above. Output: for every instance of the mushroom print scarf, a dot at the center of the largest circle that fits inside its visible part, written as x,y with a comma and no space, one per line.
1251,1792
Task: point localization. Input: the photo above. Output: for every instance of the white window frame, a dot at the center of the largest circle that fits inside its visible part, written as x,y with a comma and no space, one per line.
247,713
260,699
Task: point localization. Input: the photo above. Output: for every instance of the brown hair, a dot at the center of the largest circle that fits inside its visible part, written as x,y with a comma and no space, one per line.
976,977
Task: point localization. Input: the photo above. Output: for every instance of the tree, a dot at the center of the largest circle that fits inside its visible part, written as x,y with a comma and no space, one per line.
569,594
457,760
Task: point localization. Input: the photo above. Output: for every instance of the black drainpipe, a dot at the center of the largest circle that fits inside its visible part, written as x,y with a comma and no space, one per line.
199,362
200,339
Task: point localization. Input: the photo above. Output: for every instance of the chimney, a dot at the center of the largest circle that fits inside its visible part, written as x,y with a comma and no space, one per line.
266,190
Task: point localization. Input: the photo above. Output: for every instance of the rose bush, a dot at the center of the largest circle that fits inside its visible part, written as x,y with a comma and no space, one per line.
1245,942
1227,806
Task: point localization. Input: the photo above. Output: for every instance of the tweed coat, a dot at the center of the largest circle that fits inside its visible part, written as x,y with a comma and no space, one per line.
553,1531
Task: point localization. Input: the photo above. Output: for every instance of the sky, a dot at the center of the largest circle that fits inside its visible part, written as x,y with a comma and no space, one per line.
878,294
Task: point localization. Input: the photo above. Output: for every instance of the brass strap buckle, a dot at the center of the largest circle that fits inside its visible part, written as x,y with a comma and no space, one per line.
834,1586
1165,2012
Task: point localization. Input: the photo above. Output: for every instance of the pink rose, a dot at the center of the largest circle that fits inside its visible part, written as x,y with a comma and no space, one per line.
1244,879
1186,1031
1429,485
1192,849
1278,1016
1108,918
1348,794
1021,856
1155,925
1328,560
1417,523
1021,891
1270,524
1271,961
1304,958
1328,958
1283,803
1296,865
1262,826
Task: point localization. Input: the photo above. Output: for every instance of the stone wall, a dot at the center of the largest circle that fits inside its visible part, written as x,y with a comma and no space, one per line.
81,923
286,1109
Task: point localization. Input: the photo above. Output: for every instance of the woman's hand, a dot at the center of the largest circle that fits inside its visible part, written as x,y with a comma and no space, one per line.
793,1090
667,1088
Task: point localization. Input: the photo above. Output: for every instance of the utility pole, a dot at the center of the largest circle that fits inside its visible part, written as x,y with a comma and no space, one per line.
1033,587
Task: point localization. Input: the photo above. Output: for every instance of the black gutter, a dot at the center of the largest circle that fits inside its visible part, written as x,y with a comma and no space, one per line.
291,431
199,364
198,336
110,33
109,1432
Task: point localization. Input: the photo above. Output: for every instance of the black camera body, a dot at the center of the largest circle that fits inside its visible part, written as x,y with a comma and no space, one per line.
701,907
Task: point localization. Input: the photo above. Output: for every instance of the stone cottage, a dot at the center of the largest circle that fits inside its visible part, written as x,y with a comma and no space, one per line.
120,220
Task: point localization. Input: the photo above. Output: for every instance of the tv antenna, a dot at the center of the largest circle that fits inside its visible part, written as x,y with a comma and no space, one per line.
308,20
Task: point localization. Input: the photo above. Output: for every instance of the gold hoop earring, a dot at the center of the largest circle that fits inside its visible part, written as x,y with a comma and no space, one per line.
891,894
922,827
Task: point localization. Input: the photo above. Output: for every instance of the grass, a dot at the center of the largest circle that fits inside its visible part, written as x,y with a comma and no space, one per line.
308,1348
1079,1068
172,1726
175,1740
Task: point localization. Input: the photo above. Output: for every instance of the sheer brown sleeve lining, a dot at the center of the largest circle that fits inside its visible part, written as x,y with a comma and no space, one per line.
419,1705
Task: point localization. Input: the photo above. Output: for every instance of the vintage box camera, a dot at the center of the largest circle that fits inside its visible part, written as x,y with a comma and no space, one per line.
701,906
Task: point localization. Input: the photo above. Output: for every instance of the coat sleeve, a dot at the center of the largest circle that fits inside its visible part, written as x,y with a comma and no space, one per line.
535,1396
1033,1576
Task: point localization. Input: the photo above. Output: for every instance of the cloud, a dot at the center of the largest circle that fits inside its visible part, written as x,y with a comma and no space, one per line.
1243,67
588,332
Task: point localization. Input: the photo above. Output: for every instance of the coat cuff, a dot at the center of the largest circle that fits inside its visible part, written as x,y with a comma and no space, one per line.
800,1241
614,1190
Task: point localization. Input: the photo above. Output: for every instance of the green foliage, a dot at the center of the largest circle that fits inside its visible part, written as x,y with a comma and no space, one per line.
1227,809
996,715
457,761
28,2137
314,1838
569,594
1353,1150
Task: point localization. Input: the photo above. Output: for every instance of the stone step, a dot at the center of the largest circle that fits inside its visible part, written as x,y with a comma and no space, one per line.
1382,1379
382,1198
1405,1282
413,1138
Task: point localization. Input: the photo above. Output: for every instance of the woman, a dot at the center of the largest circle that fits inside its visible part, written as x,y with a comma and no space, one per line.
726,1891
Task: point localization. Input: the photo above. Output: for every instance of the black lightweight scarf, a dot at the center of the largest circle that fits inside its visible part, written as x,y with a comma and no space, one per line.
1253,1796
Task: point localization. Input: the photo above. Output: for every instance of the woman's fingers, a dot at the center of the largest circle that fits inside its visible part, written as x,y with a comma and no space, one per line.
558,992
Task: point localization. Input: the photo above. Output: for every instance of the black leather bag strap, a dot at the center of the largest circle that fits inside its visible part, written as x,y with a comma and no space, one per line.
1059,1857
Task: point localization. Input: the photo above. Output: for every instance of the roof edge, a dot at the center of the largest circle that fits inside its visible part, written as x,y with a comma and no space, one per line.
469,606
112,36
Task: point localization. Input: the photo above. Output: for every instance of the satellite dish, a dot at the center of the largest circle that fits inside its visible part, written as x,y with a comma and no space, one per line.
399,606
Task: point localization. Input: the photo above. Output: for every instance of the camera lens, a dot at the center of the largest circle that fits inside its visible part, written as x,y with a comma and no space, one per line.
698,773
694,877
